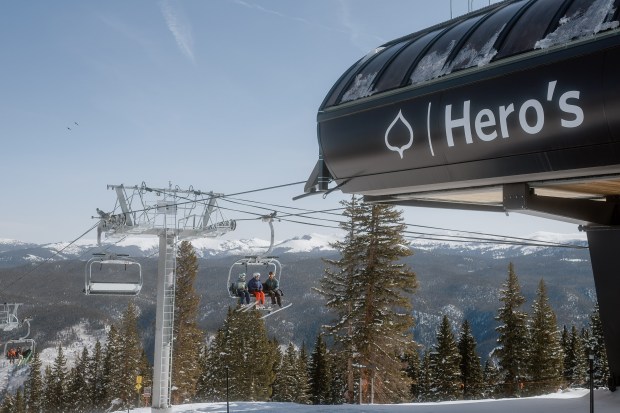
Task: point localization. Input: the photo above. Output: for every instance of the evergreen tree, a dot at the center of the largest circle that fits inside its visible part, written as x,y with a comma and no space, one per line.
512,350
8,404
413,373
95,380
319,373
596,346
368,290
20,403
285,386
445,362
48,384
242,351
426,379
338,384
575,364
123,359
492,377
202,384
58,397
546,356
188,336
112,365
471,370
77,396
131,355
303,378
566,362
34,386
145,370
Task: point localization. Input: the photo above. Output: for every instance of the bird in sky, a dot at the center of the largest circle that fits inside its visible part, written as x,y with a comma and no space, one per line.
68,128
76,124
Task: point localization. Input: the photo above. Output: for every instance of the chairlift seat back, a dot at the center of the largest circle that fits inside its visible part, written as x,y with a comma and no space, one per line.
113,276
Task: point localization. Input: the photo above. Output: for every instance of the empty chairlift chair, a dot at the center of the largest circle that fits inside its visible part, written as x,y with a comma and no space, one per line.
111,274
8,316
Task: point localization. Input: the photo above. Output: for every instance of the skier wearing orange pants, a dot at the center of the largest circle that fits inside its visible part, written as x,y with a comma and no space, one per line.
255,287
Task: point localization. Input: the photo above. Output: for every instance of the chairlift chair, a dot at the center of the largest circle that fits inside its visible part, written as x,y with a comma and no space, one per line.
250,265
8,316
28,345
112,274
256,263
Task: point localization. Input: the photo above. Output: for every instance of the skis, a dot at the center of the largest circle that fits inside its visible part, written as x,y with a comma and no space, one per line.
275,311
247,307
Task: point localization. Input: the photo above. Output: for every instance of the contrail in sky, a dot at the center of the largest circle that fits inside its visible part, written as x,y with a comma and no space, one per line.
180,28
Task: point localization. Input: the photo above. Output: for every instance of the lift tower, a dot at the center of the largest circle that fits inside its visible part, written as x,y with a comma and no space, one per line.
171,214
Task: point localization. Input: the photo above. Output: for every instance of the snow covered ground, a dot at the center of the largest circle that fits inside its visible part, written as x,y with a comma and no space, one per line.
574,401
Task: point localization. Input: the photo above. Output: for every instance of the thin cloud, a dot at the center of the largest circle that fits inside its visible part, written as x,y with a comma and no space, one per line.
259,8
180,29
357,36
270,11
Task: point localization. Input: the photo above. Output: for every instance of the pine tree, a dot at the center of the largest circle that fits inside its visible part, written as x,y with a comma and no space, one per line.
112,365
471,370
95,378
48,384
445,360
413,372
575,365
20,403
188,336
130,357
145,370
319,373
567,361
34,386
491,375
426,379
122,361
596,346
546,356
202,384
368,290
338,384
77,384
8,404
303,378
512,350
285,386
242,351
58,400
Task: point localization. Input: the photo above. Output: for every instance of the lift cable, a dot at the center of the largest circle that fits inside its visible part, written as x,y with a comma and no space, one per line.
500,239
54,255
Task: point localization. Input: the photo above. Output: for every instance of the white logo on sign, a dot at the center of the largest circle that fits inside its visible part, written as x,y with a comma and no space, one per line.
406,146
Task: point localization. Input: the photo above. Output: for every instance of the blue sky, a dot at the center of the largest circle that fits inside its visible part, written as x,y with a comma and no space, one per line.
218,94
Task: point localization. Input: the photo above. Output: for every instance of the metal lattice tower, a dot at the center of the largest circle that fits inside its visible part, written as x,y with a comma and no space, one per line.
174,214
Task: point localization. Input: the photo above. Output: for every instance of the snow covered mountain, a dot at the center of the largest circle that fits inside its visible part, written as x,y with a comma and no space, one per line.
15,253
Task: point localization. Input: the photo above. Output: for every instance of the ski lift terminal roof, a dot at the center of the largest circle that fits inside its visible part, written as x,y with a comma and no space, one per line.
519,92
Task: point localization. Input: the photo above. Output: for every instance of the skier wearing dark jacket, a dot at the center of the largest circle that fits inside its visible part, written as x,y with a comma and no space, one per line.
272,287
256,287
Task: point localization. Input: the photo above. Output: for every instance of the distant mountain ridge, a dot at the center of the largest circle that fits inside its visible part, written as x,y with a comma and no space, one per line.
461,280
15,253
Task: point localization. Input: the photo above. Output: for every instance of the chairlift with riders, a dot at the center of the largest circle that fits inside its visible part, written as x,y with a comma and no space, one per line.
21,349
250,264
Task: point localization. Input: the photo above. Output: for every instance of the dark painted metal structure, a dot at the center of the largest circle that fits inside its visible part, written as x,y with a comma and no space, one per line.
514,107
